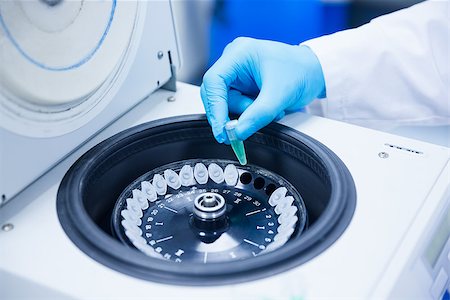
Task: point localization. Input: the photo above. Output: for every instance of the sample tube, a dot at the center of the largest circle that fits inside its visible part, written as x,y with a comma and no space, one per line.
236,144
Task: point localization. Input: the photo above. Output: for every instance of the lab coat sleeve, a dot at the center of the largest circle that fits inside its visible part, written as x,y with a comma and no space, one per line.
393,70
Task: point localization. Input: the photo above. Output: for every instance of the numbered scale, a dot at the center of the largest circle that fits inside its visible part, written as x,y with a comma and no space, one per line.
208,211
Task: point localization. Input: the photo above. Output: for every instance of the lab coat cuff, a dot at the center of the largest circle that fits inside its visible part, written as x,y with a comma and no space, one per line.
336,57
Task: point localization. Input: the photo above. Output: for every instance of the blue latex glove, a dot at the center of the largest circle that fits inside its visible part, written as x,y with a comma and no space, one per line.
260,80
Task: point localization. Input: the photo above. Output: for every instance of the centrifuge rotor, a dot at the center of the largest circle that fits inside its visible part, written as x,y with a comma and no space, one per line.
208,211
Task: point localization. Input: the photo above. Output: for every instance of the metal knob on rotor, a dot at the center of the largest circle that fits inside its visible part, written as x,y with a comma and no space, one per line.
209,220
209,206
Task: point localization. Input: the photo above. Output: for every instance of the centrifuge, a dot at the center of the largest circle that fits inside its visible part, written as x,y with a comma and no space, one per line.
113,185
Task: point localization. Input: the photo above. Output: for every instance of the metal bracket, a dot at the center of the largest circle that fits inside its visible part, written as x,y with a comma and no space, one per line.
171,85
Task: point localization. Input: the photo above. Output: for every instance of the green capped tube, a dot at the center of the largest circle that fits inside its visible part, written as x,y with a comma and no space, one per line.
236,144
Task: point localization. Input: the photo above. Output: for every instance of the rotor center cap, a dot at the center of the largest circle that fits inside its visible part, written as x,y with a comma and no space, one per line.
209,206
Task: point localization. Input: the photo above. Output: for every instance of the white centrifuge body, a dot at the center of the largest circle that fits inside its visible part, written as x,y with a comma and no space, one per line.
396,245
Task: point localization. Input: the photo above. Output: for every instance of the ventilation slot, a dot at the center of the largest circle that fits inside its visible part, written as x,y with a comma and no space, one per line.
404,149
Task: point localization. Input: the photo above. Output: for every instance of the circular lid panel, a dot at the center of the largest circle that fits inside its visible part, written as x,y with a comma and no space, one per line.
60,52
63,61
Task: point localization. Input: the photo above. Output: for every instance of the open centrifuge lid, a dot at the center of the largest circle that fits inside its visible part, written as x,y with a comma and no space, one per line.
61,61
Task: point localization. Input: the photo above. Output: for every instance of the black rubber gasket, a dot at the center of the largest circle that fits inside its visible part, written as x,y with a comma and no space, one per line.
79,213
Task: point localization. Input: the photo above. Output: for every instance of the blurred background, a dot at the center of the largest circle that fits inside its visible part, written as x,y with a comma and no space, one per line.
205,27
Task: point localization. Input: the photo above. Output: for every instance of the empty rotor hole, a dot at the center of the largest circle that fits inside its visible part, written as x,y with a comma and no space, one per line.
246,178
270,188
259,183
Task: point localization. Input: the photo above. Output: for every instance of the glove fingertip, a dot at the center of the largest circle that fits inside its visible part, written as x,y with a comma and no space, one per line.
218,134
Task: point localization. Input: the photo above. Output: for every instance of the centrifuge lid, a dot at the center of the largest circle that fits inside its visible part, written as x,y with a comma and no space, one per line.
60,58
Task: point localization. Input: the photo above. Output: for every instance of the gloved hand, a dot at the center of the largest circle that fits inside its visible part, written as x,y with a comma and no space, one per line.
260,80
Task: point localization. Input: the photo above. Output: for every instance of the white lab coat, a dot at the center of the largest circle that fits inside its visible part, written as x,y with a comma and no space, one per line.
391,71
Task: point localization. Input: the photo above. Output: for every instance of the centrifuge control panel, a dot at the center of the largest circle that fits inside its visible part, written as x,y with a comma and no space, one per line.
427,275
436,257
